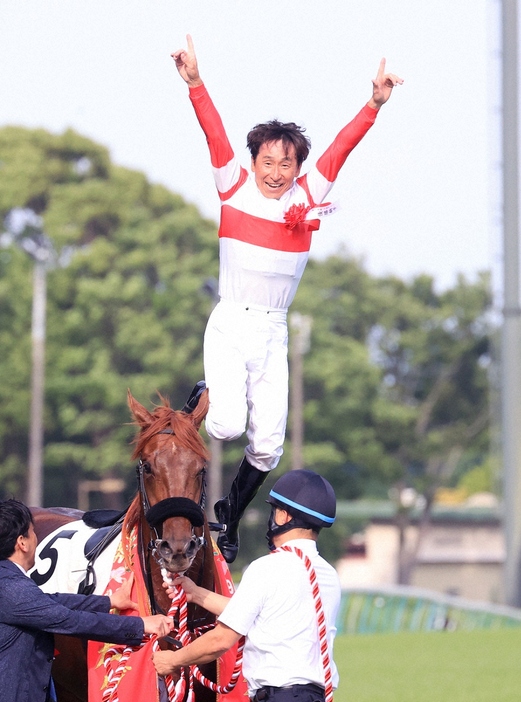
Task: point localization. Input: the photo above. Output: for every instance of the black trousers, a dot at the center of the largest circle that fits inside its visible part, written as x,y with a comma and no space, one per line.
294,693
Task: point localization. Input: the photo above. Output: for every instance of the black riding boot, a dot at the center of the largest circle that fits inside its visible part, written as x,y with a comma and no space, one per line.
230,509
195,395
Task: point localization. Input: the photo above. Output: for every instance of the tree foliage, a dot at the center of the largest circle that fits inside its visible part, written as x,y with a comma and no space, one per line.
395,381
127,312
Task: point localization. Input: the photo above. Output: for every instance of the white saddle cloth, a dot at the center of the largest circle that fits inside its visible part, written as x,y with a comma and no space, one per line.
61,564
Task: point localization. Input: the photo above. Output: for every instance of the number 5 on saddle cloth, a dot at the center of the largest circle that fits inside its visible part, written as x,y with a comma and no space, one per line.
65,559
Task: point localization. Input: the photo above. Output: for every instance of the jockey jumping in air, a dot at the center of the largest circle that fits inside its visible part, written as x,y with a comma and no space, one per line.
267,219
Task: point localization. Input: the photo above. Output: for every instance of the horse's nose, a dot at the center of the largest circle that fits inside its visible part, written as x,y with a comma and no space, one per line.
194,545
181,549
165,550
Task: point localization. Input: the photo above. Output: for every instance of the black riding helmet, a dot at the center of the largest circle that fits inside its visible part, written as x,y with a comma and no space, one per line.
307,497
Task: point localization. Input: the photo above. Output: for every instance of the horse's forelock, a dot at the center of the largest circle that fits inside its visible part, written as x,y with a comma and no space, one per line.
185,432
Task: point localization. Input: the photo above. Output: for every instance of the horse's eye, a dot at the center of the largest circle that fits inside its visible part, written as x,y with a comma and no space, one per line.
147,468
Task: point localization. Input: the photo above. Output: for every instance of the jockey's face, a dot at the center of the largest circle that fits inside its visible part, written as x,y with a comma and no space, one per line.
275,169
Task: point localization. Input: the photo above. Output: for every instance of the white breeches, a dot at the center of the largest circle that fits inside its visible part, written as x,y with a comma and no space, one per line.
246,371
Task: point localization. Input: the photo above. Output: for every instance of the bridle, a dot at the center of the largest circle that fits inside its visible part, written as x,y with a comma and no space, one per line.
165,509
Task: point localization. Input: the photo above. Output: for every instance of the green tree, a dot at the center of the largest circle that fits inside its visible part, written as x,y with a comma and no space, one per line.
396,386
127,312
397,381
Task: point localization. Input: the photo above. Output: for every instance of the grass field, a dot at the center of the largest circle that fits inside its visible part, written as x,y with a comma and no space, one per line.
461,666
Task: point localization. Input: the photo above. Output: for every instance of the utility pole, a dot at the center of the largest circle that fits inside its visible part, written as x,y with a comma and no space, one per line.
511,330
215,475
24,228
300,341
35,467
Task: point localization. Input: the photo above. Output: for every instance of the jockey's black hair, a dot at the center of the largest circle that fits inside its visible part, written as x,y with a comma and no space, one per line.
288,133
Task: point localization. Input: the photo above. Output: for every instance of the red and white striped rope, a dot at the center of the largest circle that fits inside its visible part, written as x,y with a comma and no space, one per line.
223,689
185,685
185,637
176,691
113,677
321,619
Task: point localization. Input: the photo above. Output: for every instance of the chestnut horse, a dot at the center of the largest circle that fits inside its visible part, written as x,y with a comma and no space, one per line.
172,530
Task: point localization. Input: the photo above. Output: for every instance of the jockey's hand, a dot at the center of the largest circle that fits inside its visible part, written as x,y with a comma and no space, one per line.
164,664
186,64
158,624
121,599
383,86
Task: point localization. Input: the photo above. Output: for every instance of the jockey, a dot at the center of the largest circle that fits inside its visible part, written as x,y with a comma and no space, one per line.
267,219
288,622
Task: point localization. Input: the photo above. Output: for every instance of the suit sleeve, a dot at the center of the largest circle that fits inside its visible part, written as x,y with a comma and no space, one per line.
321,178
25,605
90,603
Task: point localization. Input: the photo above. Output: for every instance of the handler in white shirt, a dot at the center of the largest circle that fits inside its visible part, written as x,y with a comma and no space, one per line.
274,606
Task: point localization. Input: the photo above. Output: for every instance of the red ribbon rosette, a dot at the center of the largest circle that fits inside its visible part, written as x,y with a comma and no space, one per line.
295,215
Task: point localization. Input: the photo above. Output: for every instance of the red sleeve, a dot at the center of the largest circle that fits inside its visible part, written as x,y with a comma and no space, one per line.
330,163
221,151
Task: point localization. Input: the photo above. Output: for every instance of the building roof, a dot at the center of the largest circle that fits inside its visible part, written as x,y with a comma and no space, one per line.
386,511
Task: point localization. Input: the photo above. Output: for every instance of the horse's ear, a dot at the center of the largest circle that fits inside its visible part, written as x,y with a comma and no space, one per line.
142,416
201,409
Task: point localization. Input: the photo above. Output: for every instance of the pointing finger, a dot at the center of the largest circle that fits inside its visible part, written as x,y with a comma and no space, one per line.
381,69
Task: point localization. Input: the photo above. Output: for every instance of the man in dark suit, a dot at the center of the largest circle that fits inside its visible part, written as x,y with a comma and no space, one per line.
30,617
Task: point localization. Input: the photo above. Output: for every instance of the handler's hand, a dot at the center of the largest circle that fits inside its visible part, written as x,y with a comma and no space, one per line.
186,64
188,586
163,663
208,599
158,624
383,86
120,599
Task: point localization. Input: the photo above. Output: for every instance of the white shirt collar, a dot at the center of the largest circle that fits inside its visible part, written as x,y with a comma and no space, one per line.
21,568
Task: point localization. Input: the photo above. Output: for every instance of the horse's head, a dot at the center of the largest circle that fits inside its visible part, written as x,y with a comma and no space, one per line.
171,475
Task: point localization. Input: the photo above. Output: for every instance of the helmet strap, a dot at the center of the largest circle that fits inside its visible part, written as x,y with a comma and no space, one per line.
275,529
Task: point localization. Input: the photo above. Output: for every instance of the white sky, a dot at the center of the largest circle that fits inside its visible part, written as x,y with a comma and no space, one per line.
419,194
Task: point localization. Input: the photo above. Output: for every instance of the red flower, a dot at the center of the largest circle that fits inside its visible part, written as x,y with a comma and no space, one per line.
295,215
